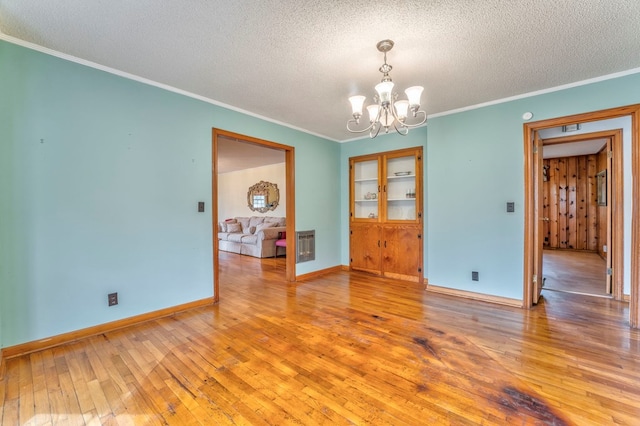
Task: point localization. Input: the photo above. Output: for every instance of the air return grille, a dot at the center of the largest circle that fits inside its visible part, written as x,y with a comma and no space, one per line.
306,246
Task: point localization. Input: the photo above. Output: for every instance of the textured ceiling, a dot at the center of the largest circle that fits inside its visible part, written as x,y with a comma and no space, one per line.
297,61
236,155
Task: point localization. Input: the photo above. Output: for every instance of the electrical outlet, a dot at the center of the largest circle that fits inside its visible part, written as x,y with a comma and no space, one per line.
475,276
113,299
200,206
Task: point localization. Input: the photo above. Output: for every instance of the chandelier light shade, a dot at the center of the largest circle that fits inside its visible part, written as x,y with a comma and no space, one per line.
386,111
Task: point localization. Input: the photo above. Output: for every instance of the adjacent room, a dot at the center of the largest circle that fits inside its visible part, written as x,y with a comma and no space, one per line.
301,212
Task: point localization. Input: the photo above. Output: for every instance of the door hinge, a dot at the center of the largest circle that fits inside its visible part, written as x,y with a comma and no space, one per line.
535,278
610,154
419,269
419,236
351,232
351,260
419,157
535,149
419,214
609,271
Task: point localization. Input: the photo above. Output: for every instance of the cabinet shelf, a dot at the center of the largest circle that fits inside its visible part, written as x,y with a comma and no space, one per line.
394,177
366,201
375,179
413,199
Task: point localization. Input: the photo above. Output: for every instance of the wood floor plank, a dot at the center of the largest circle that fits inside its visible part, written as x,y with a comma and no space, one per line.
344,348
27,396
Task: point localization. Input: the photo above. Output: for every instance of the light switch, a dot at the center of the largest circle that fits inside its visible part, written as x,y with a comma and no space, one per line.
511,207
200,206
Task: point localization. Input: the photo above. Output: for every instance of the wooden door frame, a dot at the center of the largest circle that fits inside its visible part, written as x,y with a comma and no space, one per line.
615,204
289,154
632,111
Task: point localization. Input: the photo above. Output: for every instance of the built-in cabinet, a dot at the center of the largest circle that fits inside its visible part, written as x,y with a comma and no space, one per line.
386,227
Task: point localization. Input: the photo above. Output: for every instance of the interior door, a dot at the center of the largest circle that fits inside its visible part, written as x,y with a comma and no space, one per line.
538,228
609,197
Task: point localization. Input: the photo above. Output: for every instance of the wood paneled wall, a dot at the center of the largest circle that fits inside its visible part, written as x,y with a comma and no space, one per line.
570,202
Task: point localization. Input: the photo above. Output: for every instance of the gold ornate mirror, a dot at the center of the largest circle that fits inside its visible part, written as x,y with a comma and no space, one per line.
263,196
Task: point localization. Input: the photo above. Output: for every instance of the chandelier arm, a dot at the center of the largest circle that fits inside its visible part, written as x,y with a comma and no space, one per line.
359,131
403,130
424,119
377,130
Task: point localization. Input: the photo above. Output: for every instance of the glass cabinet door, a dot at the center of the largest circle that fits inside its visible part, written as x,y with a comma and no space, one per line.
401,188
366,189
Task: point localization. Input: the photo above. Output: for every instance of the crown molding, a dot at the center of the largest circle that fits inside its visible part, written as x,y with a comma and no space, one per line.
123,74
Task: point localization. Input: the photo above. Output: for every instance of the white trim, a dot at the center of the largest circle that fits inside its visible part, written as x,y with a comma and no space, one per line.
143,80
538,92
123,74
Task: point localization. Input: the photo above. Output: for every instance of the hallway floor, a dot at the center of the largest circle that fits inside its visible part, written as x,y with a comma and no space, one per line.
574,272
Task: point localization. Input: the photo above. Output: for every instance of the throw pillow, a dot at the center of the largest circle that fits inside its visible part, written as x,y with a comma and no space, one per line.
263,226
235,228
249,230
278,221
244,222
222,226
255,220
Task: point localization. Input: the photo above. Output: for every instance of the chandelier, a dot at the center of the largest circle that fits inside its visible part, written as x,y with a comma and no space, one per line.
387,111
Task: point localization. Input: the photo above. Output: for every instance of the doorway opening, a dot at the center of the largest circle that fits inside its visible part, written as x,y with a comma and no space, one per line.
218,139
582,201
534,216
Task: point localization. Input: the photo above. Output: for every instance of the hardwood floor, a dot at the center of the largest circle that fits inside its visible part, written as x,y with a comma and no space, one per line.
574,271
341,349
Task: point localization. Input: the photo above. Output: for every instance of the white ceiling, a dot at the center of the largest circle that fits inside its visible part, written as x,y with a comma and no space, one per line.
297,61
573,149
234,155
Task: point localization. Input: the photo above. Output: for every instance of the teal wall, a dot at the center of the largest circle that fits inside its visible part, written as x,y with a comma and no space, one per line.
474,165
99,182
100,176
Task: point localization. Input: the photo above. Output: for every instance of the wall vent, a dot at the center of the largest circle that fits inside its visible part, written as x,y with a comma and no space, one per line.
306,246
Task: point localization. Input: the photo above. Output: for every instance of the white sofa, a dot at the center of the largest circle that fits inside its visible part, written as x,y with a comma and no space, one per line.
252,236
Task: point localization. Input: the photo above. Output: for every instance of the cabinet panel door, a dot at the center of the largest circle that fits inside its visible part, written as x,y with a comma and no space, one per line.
365,189
402,186
365,247
402,252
